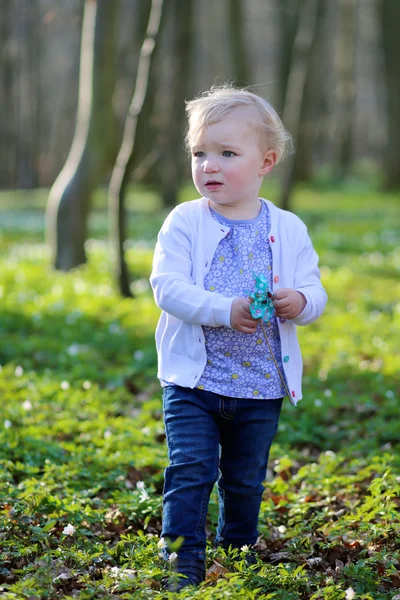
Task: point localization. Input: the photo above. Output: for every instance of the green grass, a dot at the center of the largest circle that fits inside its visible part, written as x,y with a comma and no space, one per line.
81,421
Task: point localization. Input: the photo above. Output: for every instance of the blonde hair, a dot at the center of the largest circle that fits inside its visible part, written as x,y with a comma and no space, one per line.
218,101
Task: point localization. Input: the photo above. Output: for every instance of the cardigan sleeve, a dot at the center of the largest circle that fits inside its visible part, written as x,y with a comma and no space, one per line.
171,278
307,279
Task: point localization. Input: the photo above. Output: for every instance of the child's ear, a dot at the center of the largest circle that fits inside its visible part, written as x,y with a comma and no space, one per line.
269,161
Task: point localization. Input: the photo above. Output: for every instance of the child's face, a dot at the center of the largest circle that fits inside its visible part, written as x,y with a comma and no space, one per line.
228,162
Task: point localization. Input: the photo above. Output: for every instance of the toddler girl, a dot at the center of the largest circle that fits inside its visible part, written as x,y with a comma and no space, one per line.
222,388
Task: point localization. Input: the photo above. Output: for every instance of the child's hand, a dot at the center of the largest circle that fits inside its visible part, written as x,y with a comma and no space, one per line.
241,318
288,303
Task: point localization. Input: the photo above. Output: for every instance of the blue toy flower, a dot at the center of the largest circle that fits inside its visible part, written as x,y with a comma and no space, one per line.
261,307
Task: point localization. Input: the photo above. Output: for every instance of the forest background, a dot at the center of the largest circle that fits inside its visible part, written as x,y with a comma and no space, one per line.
91,161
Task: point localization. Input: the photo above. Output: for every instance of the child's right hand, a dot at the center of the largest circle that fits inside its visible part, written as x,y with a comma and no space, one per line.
241,318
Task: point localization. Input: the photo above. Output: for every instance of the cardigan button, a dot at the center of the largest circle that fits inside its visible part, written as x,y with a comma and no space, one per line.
285,359
272,238
282,320
276,279
293,394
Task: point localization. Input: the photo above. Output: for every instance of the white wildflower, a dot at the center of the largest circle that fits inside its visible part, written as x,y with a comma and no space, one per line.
69,529
328,393
62,576
64,385
7,424
18,371
143,494
282,529
107,434
245,548
173,556
317,402
350,594
138,355
27,405
86,385
73,350
146,430
127,573
330,453
161,543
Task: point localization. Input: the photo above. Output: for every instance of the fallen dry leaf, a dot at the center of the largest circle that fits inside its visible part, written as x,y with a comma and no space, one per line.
216,570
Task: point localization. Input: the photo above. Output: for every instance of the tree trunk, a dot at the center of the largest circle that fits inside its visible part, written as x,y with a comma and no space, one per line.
94,146
288,11
390,18
238,48
144,135
8,150
345,85
305,35
304,159
172,167
27,18
123,165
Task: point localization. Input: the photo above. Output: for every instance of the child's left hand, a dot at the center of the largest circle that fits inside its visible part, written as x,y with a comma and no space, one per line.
288,303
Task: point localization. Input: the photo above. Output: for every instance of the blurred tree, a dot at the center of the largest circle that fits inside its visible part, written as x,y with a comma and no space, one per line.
8,147
237,39
310,105
288,12
295,89
27,97
123,165
390,19
94,145
146,153
345,51
171,149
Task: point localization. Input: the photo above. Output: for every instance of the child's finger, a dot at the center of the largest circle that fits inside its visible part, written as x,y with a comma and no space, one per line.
282,303
246,329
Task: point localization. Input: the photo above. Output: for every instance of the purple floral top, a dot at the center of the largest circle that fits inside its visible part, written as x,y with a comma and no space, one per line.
239,365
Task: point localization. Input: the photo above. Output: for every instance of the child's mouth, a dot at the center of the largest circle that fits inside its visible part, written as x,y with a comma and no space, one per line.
213,185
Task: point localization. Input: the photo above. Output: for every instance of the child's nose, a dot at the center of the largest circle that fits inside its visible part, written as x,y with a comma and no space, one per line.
210,166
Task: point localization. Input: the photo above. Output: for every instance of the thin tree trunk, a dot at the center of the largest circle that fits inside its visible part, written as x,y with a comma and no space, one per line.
238,48
144,135
296,85
390,19
123,165
8,150
94,146
288,12
345,86
27,18
303,159
172,162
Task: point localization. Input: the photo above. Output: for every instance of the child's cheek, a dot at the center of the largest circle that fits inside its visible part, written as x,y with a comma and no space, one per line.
197,181
238,177
196,176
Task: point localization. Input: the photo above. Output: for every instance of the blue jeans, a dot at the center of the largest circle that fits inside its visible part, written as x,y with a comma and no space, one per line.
210,438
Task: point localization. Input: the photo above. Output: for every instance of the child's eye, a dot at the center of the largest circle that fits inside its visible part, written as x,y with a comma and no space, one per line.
228,153
198,154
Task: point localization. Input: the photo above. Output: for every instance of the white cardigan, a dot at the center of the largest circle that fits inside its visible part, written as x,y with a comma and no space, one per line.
184,251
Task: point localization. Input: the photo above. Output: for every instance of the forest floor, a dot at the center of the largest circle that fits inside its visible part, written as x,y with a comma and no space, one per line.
82,443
